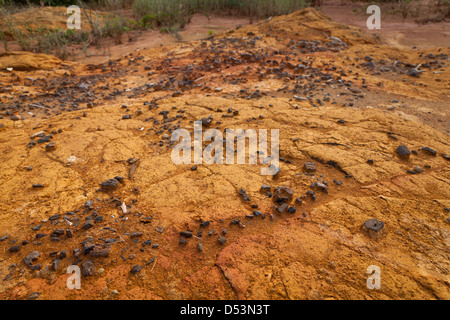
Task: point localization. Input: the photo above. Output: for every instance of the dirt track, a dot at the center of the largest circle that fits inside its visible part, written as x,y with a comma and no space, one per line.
358,100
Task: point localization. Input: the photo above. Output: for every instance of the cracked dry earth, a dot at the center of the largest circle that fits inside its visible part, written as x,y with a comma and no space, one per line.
340,99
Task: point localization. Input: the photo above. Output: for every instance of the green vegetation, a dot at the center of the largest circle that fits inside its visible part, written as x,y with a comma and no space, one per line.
168,13
115,26
49,41
3,40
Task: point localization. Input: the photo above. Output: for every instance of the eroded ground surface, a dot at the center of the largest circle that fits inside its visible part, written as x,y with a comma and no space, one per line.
340,99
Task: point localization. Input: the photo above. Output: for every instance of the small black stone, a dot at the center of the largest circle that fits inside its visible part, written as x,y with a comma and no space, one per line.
87,247
44,139
109,184
222,239
88,203
33,255
14,248
50,147
136,234
244,195
204,224
119,178
429,151
310,166
54,217
186,234
374,224
88,224
88,268
150,261
34,295
135,269
63,254
56,264
403,152
282,207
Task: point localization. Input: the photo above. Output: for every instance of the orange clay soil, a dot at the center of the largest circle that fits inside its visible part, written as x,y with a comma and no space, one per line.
339,98
37,19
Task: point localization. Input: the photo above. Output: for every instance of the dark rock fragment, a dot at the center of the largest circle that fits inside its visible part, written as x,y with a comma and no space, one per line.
88,268
373,227
88,204
187,234
244,195
54,217
34,295
310,166
222,239
150,261
135,269
374,224
403,152
50,147
14,248
56,264
282,207
283,194
100,250
135,234
418,169
87,247
44,139
319,185
57,232
88,224
429,151
109,184
204,223
33,255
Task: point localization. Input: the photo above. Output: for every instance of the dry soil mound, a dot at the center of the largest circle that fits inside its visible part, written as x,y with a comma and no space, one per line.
25,61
